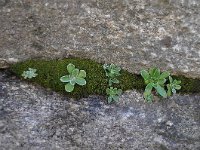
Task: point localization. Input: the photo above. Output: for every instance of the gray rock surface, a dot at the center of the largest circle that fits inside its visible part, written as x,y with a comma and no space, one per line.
131,33
33,118
134,34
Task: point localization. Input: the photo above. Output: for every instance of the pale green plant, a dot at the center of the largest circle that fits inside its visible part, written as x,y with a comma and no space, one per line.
30,73
154,80
113,94
173,86
112,71
75,76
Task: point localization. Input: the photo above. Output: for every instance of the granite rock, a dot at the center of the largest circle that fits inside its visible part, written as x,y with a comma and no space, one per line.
134,34
35,118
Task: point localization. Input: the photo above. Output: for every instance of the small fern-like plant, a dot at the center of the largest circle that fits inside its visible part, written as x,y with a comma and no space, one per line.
112,71
113,94
30,73
75,76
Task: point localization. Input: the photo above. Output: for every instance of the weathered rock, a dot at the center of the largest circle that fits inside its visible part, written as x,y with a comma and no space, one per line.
34,118
130,33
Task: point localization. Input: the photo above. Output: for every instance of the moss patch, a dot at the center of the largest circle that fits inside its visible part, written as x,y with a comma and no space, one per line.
49,73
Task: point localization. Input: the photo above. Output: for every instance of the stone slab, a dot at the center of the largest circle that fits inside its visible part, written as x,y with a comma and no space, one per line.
35,118
134,34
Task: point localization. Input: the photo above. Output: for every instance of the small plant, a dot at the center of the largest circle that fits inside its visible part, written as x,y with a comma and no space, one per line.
112,71
154,79
75,76
173,86
30,73
113,94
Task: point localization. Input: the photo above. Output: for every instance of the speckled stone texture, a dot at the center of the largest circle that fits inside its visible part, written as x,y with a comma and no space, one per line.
33,118
134,34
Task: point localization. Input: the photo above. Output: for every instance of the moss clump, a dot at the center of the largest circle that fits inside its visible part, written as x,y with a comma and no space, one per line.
49,73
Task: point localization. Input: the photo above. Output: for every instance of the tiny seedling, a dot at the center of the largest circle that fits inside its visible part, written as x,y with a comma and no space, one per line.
173,86
154,79
30,73
113,94
75,76
112,71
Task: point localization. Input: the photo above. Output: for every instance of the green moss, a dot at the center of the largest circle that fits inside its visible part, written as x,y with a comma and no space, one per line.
49,73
